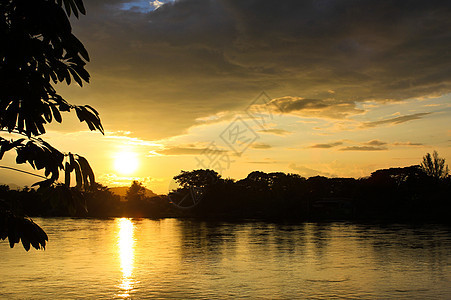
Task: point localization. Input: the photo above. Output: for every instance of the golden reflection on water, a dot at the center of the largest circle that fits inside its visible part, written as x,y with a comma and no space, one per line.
126,244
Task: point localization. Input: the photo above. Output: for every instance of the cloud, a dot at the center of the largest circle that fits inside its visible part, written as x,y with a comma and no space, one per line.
375,143
362,148
372,145
275,131
124,137
190,151
267,161
217,117
155,73
260,146
397,120
326,108
327,145
407,144
307,172
156,4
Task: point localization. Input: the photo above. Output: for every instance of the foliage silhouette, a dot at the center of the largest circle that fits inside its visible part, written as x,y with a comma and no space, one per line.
435,166
197,178
22,229
38,51
394,194
139,205
136,192
400,194
192,187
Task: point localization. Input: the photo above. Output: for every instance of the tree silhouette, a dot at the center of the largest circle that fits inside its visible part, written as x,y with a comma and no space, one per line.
192,187
136,192
434,166
197,178
38,50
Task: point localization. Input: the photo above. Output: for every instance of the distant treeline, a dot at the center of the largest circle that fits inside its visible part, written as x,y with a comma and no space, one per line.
98,201
397,194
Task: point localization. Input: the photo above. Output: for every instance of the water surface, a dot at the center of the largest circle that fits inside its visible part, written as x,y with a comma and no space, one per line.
129,258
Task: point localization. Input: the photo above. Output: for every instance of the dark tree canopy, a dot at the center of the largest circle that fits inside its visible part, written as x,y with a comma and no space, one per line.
38,50
192,186
136,191
197,178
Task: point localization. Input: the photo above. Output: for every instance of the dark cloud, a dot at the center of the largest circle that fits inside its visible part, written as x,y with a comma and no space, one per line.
407,144
397,120
326,146
329,108
375,143
260,146
363,148
191,59
276,131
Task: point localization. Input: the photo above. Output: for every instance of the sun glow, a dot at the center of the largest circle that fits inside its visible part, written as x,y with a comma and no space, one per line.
126,162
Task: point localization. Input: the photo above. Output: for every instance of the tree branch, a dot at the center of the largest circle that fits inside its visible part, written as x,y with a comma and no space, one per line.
22,171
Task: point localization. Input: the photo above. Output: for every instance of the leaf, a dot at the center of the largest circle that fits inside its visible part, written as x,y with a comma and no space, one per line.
25,243
56,114
42,235
11,113
82,73
20,159
79,113
74,8
6,145
43,184
64,106
80,6
30,127
83,52
67,7
78,48
53,76
86,172
76,77
13,237
68,80
92,119
21,123
47,113
91,108
67,172
39,125
78,176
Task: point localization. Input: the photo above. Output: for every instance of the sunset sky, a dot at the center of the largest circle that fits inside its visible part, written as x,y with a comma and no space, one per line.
321,87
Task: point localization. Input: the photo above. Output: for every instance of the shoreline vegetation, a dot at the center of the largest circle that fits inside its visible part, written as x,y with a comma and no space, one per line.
407,194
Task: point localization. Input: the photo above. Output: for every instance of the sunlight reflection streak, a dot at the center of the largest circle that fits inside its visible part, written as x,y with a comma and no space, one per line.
126,254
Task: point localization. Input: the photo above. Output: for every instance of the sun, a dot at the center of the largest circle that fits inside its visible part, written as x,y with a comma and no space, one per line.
126,162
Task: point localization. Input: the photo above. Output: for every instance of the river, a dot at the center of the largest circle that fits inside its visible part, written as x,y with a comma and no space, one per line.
186,259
